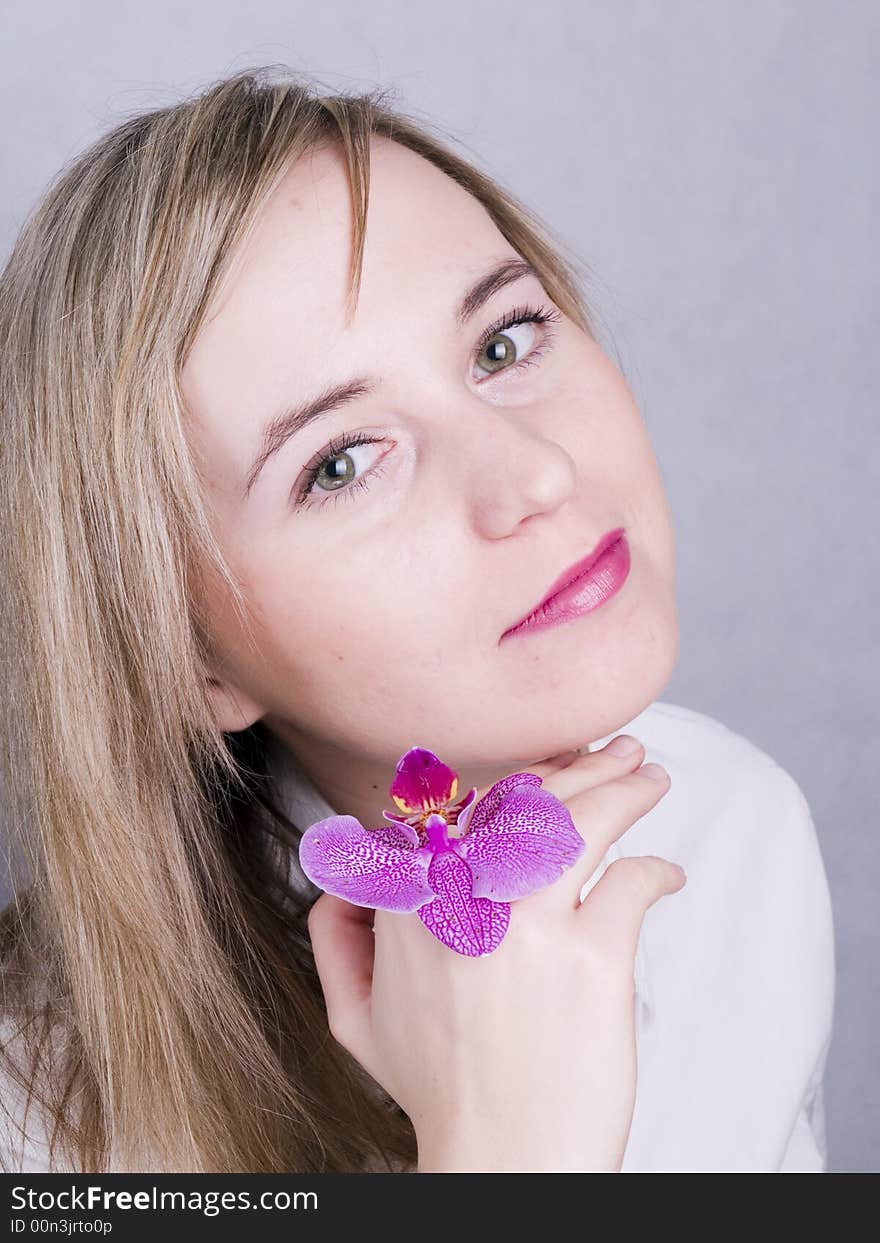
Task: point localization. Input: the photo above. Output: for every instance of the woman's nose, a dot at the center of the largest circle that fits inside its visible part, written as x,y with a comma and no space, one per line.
514,472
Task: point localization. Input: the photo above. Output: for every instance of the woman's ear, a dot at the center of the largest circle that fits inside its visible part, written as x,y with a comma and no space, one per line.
233,709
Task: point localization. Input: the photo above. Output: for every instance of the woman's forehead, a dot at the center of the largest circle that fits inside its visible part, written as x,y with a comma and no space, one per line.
422,230
281,329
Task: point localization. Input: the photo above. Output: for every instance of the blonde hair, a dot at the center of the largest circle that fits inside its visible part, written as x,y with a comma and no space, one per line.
156,975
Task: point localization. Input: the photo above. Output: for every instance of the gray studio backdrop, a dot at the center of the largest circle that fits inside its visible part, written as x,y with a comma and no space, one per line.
715,165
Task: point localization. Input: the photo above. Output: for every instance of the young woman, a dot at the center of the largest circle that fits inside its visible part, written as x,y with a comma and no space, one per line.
304,418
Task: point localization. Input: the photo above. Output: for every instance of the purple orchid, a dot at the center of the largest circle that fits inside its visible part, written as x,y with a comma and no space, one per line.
457,864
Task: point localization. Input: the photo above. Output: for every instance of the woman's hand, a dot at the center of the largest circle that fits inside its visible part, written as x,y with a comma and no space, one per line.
524,1059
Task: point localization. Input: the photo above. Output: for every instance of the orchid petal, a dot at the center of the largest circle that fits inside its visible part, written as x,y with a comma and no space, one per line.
520,838
466,812
400,823
369,867
422,782
471,926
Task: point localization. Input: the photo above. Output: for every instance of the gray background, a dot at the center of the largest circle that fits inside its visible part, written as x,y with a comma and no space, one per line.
713,164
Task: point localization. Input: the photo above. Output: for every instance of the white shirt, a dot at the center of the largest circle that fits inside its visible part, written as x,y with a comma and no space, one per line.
734,973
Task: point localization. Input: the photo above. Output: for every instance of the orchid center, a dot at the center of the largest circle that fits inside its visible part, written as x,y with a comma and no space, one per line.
436,829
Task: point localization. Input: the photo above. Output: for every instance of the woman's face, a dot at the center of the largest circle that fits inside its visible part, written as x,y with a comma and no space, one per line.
381,589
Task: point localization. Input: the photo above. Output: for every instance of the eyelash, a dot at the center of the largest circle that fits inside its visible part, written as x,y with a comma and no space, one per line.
339,444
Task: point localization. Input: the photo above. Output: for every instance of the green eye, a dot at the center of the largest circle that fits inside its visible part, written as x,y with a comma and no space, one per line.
498,349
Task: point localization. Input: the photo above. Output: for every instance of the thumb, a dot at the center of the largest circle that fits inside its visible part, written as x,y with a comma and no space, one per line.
342,943
616,905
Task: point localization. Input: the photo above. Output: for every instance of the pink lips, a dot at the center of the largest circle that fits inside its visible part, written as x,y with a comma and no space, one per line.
583,586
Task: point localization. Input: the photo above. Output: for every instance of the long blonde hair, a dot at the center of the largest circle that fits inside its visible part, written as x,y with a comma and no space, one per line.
157,985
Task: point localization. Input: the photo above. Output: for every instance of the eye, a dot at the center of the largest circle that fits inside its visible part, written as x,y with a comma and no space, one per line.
340,477
501,347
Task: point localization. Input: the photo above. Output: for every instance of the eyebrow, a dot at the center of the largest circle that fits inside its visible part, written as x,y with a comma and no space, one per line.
293,419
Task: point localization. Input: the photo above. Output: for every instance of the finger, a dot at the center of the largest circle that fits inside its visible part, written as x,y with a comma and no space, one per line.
602,814
605,814
614,908
343,946
541,768
552,764
621,755
563,759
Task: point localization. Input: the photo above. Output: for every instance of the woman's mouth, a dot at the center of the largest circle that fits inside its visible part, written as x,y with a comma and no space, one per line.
581,588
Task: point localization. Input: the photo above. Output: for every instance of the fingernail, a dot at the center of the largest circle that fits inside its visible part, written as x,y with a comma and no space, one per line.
623,744
655,771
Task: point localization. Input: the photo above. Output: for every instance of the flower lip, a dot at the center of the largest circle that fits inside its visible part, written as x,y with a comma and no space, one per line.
608,540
